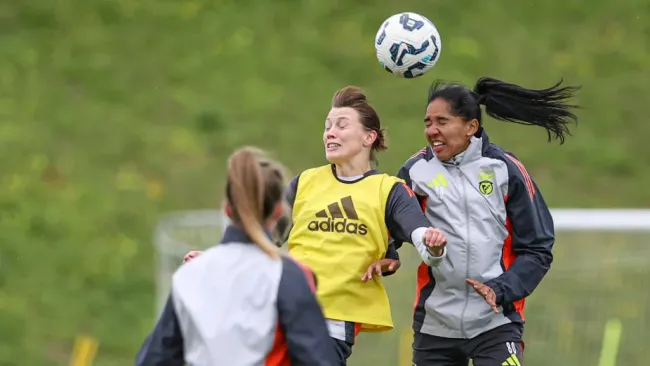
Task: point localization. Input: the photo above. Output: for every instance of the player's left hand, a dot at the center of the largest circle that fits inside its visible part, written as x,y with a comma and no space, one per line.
380,266
487,292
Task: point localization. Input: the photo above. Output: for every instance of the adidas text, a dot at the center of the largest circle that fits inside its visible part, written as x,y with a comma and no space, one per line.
338,226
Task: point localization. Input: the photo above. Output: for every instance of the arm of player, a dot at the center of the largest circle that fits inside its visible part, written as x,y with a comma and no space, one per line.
284,225
391,253
164,346
301,318
405,175
385,266
532,234
407,223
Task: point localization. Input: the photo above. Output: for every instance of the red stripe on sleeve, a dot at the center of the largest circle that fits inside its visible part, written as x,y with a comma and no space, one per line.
530,187
423,151
409,190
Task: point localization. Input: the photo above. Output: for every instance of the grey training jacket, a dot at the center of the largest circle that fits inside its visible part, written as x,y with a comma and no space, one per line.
500,232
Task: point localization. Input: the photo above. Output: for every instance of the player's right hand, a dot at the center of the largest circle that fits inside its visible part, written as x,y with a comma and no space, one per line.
191,255
380,266
435,240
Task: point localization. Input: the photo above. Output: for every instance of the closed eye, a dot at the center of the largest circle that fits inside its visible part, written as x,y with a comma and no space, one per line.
439,120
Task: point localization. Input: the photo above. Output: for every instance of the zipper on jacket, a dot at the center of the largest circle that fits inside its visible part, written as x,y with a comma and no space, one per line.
467,245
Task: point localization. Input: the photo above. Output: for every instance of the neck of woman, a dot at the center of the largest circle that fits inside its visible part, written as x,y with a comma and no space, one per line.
459,156
353,168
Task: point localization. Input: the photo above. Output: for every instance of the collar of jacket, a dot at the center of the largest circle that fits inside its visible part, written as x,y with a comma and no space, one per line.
477,145
235,234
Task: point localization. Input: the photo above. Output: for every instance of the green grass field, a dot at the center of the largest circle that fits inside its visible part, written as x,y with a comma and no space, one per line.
116,112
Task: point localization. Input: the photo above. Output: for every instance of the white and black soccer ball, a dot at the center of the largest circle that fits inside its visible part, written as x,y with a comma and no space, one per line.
408,45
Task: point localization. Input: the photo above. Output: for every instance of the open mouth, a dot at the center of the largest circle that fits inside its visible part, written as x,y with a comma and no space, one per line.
438,146
332,145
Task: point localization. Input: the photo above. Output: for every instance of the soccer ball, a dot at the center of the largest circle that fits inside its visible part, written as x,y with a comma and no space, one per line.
408,45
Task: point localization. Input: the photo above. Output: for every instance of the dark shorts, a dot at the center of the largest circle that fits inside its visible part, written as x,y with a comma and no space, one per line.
501,346
343,350
344,347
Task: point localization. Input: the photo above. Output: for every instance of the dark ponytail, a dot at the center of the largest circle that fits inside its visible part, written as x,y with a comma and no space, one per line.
547,108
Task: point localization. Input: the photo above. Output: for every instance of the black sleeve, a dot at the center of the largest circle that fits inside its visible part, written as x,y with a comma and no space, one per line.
403,214
404,174
391,253
292,189
394,244
532,233
301,318
164,346
284,225
282,230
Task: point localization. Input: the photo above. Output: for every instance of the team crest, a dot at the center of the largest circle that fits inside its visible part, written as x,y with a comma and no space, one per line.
486,187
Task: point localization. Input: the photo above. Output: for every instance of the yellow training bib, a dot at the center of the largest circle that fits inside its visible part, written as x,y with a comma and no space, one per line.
338,231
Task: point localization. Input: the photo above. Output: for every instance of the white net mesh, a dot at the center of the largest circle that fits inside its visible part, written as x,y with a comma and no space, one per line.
177,234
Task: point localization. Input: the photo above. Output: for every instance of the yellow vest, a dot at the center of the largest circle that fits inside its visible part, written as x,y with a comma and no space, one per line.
338,231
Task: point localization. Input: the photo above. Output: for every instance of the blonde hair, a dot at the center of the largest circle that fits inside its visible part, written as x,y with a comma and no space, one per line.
255,186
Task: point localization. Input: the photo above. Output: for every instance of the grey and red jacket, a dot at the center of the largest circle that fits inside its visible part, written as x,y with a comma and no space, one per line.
234,305
500,232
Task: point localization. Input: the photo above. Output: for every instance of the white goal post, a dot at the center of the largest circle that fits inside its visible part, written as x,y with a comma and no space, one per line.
179,232
570,219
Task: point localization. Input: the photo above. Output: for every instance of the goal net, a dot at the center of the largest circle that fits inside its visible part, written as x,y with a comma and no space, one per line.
593,308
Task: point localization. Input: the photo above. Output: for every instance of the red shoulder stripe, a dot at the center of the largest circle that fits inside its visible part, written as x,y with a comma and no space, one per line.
530,187
408,190
423,151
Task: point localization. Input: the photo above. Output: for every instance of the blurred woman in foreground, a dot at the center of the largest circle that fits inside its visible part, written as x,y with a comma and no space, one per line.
343,215
241,302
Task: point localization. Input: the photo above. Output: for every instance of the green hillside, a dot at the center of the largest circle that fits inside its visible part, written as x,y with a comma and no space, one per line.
113,113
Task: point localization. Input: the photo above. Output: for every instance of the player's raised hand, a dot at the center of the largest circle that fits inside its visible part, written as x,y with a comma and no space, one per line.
191,255
435,240
380,266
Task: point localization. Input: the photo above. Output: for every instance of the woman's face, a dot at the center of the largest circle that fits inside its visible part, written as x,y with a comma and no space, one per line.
344,136
448,135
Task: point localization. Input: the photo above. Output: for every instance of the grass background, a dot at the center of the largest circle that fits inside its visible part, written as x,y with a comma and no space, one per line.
115,112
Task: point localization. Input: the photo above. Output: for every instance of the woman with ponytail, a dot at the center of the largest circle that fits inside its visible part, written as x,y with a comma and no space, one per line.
499,230
241,302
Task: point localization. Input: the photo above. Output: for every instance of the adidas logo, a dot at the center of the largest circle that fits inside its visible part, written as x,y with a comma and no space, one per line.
336,222
511,361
